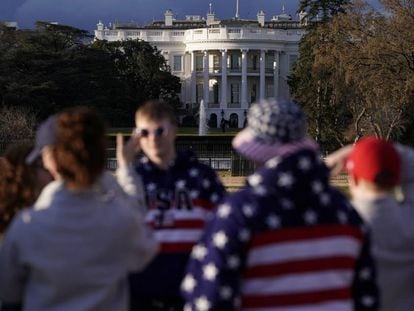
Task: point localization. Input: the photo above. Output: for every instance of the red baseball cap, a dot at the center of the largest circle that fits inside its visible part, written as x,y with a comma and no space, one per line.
375,160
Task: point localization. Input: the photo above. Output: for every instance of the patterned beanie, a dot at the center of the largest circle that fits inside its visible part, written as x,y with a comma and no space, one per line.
274,129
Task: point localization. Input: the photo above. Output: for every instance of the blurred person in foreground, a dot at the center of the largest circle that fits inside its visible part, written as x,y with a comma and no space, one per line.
181,193
287,240
375,168
74,248
20,183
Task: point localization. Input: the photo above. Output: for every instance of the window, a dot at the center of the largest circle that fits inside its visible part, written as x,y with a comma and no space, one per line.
216,92
254,62
199,63
235,61
199,92
253,93
178,63
234,93
216,63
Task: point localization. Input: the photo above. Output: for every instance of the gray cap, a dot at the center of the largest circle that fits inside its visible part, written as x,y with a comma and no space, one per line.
45,136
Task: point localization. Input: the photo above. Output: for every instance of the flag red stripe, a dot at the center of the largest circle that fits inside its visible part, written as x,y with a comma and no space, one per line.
300,266
182,224
203,204
176,247
262,301
294,234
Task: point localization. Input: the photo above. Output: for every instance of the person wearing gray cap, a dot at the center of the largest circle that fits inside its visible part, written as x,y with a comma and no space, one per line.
287,240
75,247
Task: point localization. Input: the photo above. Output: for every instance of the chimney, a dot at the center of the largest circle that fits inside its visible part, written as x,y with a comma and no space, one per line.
261,18
210,16
100,26
168,18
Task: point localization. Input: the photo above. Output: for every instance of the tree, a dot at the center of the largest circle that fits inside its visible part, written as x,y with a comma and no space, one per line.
143,70
55,66
327,8
361,62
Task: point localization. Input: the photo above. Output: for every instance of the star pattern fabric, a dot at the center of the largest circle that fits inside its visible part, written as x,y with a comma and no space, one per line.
254,237
180,199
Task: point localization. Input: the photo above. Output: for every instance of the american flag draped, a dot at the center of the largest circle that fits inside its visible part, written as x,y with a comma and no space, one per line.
286,241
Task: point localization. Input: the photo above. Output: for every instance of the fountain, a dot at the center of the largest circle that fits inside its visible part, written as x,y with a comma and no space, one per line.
202,123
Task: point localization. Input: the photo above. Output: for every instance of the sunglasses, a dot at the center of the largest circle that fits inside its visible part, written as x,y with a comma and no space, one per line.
158,132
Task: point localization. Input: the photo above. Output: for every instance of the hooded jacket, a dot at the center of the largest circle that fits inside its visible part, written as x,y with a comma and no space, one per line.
287,240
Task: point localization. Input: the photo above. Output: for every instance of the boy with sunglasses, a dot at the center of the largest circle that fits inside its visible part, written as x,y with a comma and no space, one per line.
181,193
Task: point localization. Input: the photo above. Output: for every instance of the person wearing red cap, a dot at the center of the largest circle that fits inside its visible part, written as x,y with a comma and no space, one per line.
376,168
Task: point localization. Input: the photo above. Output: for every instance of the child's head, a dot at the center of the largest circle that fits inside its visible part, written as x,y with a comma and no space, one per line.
375,163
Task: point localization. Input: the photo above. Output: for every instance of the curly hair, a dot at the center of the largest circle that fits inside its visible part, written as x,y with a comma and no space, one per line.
17,183
80,147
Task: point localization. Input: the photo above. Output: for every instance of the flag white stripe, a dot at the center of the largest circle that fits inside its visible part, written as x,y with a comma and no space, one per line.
303,250
327,306
174,235
195,214
298,283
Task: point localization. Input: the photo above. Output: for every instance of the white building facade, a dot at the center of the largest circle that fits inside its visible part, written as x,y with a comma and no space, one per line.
229,64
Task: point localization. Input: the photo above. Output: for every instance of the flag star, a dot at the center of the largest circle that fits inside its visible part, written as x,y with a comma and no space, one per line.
233,262
187,307
304,163
260,190
220,239
210,271
151,186
244,235
248,210
365,274
202,304
285,180
342,217
311,217
194,172
206,183
214,197
180,184
188,283
194,194
144,160
199,252
255,179
224,211
325,198
317,187
226,292
286,204
368,301
272,163
273,221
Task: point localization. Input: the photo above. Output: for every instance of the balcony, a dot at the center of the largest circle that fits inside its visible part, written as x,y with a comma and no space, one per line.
213,105
234,105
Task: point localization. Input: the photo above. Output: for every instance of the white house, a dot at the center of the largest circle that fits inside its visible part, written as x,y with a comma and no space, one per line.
227,63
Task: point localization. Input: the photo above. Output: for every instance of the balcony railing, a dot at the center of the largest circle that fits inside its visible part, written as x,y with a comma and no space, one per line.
234,105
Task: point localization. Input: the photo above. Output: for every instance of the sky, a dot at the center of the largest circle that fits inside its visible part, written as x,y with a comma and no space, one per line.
85,14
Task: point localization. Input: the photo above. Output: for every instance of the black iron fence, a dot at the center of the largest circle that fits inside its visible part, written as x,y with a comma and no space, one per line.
215,151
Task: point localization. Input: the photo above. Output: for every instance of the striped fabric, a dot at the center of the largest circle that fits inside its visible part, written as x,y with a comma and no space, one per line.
287,241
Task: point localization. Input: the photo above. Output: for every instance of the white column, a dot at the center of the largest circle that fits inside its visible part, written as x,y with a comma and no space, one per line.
193,78
206,78
276,66
262,74
223,103
244,80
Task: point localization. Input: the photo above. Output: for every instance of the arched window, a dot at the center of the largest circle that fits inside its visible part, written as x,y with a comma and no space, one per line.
234,120
212,122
